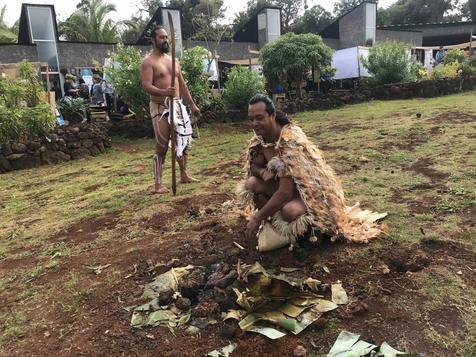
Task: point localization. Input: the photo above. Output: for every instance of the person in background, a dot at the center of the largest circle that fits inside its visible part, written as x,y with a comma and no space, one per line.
467,53
97,97
83,90
440,56
70,89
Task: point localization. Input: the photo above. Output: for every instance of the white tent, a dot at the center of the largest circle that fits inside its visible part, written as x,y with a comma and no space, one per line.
348,63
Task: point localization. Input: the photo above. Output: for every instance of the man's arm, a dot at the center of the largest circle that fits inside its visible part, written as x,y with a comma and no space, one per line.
185,93
283,195
146,78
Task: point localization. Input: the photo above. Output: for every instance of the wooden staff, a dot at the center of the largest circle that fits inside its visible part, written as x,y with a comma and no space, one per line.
173,137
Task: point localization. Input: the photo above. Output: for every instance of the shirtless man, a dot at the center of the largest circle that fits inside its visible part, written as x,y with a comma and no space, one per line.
156,72
271,193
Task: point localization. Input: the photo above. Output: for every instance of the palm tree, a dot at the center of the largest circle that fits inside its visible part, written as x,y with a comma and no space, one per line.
89,23
6,34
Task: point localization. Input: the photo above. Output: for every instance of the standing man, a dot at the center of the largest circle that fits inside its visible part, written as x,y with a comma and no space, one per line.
156,77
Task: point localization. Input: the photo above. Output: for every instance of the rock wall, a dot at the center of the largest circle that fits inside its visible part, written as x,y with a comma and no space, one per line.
63,144
423,89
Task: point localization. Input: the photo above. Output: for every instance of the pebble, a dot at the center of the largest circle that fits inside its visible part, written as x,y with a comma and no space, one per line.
300,351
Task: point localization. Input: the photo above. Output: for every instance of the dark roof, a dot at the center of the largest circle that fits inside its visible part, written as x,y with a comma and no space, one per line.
249,31
156,19
24,37
332,30
430,24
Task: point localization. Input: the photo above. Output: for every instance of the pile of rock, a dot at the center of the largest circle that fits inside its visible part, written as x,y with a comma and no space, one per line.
63,144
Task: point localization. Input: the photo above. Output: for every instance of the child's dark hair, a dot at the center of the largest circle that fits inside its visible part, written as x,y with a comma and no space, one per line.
281,117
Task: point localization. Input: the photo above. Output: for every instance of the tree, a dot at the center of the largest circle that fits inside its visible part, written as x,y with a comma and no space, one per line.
242,17
468,10
89,23
343,6
289,12
313,20
419,11
7,35
287,59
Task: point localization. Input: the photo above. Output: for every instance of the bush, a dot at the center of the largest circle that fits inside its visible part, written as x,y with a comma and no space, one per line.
72,109
215,104
195,75
446,71
22,113
125,79
389,62
454,55
242,84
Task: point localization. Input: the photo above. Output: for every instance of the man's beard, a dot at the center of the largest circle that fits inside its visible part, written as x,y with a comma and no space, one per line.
164,48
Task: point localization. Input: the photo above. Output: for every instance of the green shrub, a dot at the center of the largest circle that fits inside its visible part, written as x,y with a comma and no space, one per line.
446,71
215,104
454,55
389,62
241,85
22,113
72,109
195,75
125,79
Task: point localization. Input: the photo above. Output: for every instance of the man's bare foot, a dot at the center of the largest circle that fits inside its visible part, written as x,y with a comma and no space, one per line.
188,179
160,190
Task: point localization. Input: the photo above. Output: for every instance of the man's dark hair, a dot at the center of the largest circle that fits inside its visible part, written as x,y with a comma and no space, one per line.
156,28
281,117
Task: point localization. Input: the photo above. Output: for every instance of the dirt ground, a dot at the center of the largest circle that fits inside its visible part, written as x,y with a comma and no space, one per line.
397,289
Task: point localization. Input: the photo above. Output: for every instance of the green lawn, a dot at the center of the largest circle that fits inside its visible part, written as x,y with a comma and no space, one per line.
420,170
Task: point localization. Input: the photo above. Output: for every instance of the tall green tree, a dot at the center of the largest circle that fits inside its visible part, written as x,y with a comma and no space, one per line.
242,17
313,20
287,59
289,12
419,11
90,24
343,6
7,35
468,10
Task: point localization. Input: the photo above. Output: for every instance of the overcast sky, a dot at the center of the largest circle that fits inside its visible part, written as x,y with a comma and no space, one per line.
125,8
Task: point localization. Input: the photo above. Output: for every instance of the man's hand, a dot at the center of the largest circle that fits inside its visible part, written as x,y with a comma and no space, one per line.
195,111
252,228
169,92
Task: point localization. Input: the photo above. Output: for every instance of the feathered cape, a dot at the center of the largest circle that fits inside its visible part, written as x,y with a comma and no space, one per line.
319,188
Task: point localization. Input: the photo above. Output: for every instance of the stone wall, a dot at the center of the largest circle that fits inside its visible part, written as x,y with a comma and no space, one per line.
63,144
337,98
13,53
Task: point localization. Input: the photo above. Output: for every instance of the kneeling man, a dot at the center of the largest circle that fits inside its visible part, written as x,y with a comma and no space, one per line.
290,186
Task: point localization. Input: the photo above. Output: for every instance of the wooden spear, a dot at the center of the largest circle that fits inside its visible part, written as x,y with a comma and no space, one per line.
173,136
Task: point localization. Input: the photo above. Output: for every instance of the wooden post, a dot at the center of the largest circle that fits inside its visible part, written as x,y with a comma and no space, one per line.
171,107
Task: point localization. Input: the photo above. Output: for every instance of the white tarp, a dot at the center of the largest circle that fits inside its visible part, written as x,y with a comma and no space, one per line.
348,64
